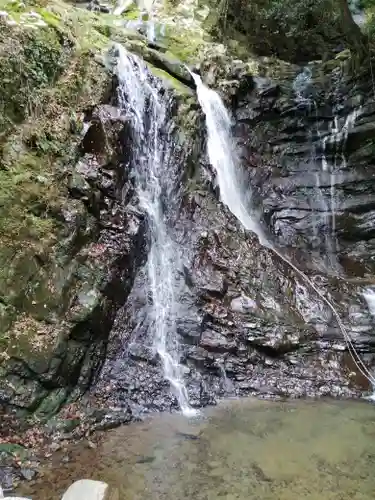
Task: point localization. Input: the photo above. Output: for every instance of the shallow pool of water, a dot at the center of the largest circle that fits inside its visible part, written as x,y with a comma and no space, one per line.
241,449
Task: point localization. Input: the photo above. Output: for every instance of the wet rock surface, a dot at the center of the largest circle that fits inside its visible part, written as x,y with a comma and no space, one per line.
249,326
310,156
247,322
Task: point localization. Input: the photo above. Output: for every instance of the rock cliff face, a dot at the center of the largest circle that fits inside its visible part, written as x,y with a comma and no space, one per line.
74,239
250,323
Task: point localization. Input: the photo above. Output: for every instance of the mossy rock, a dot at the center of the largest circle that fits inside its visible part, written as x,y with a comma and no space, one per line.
171,83
29,61
50,75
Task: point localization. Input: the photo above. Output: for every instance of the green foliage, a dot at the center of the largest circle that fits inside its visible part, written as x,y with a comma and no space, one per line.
366,4
299,17
48,76
369,6
294,30
29,60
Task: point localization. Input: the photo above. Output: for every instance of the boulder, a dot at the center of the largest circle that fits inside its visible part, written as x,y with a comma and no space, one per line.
87,489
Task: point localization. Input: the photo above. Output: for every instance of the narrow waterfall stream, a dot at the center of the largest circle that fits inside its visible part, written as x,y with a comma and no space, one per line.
146,11
336,140
300,85
143,100
222,156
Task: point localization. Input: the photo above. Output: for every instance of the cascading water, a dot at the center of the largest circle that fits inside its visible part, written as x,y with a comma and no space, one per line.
336,139
222,156
146,8
303,100
328,175
147,105
300,85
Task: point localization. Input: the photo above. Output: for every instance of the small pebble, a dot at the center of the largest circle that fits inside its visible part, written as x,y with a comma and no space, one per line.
91,445
55,446
27,474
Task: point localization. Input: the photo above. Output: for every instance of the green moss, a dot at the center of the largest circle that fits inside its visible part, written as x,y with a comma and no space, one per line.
29,61
132,14
185,44
170,81
25,190
13,449
51,404
49,17
48,76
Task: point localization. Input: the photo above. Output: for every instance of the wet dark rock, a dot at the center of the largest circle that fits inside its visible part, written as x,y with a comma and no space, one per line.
243,305
141,353
105,8
296,210
184,435
8,479
214,341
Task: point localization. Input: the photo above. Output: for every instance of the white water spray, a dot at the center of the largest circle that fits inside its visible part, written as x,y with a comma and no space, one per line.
122,6
300,85
145,7
147,106
337,137
222,155
369,296
220,146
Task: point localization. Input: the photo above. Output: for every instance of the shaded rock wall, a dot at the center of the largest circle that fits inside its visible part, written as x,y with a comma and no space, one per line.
299,166
248,323
74,296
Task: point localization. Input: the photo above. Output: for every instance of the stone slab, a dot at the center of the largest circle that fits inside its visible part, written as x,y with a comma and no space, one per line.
87,489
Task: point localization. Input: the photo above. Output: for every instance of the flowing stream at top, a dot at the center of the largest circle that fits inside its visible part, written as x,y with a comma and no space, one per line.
223,158
146,104
146,8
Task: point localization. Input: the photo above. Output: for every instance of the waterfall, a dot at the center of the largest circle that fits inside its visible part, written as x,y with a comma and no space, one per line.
300,85
121,6
222,156
146,8
147,105
369,296
336,138
329,170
